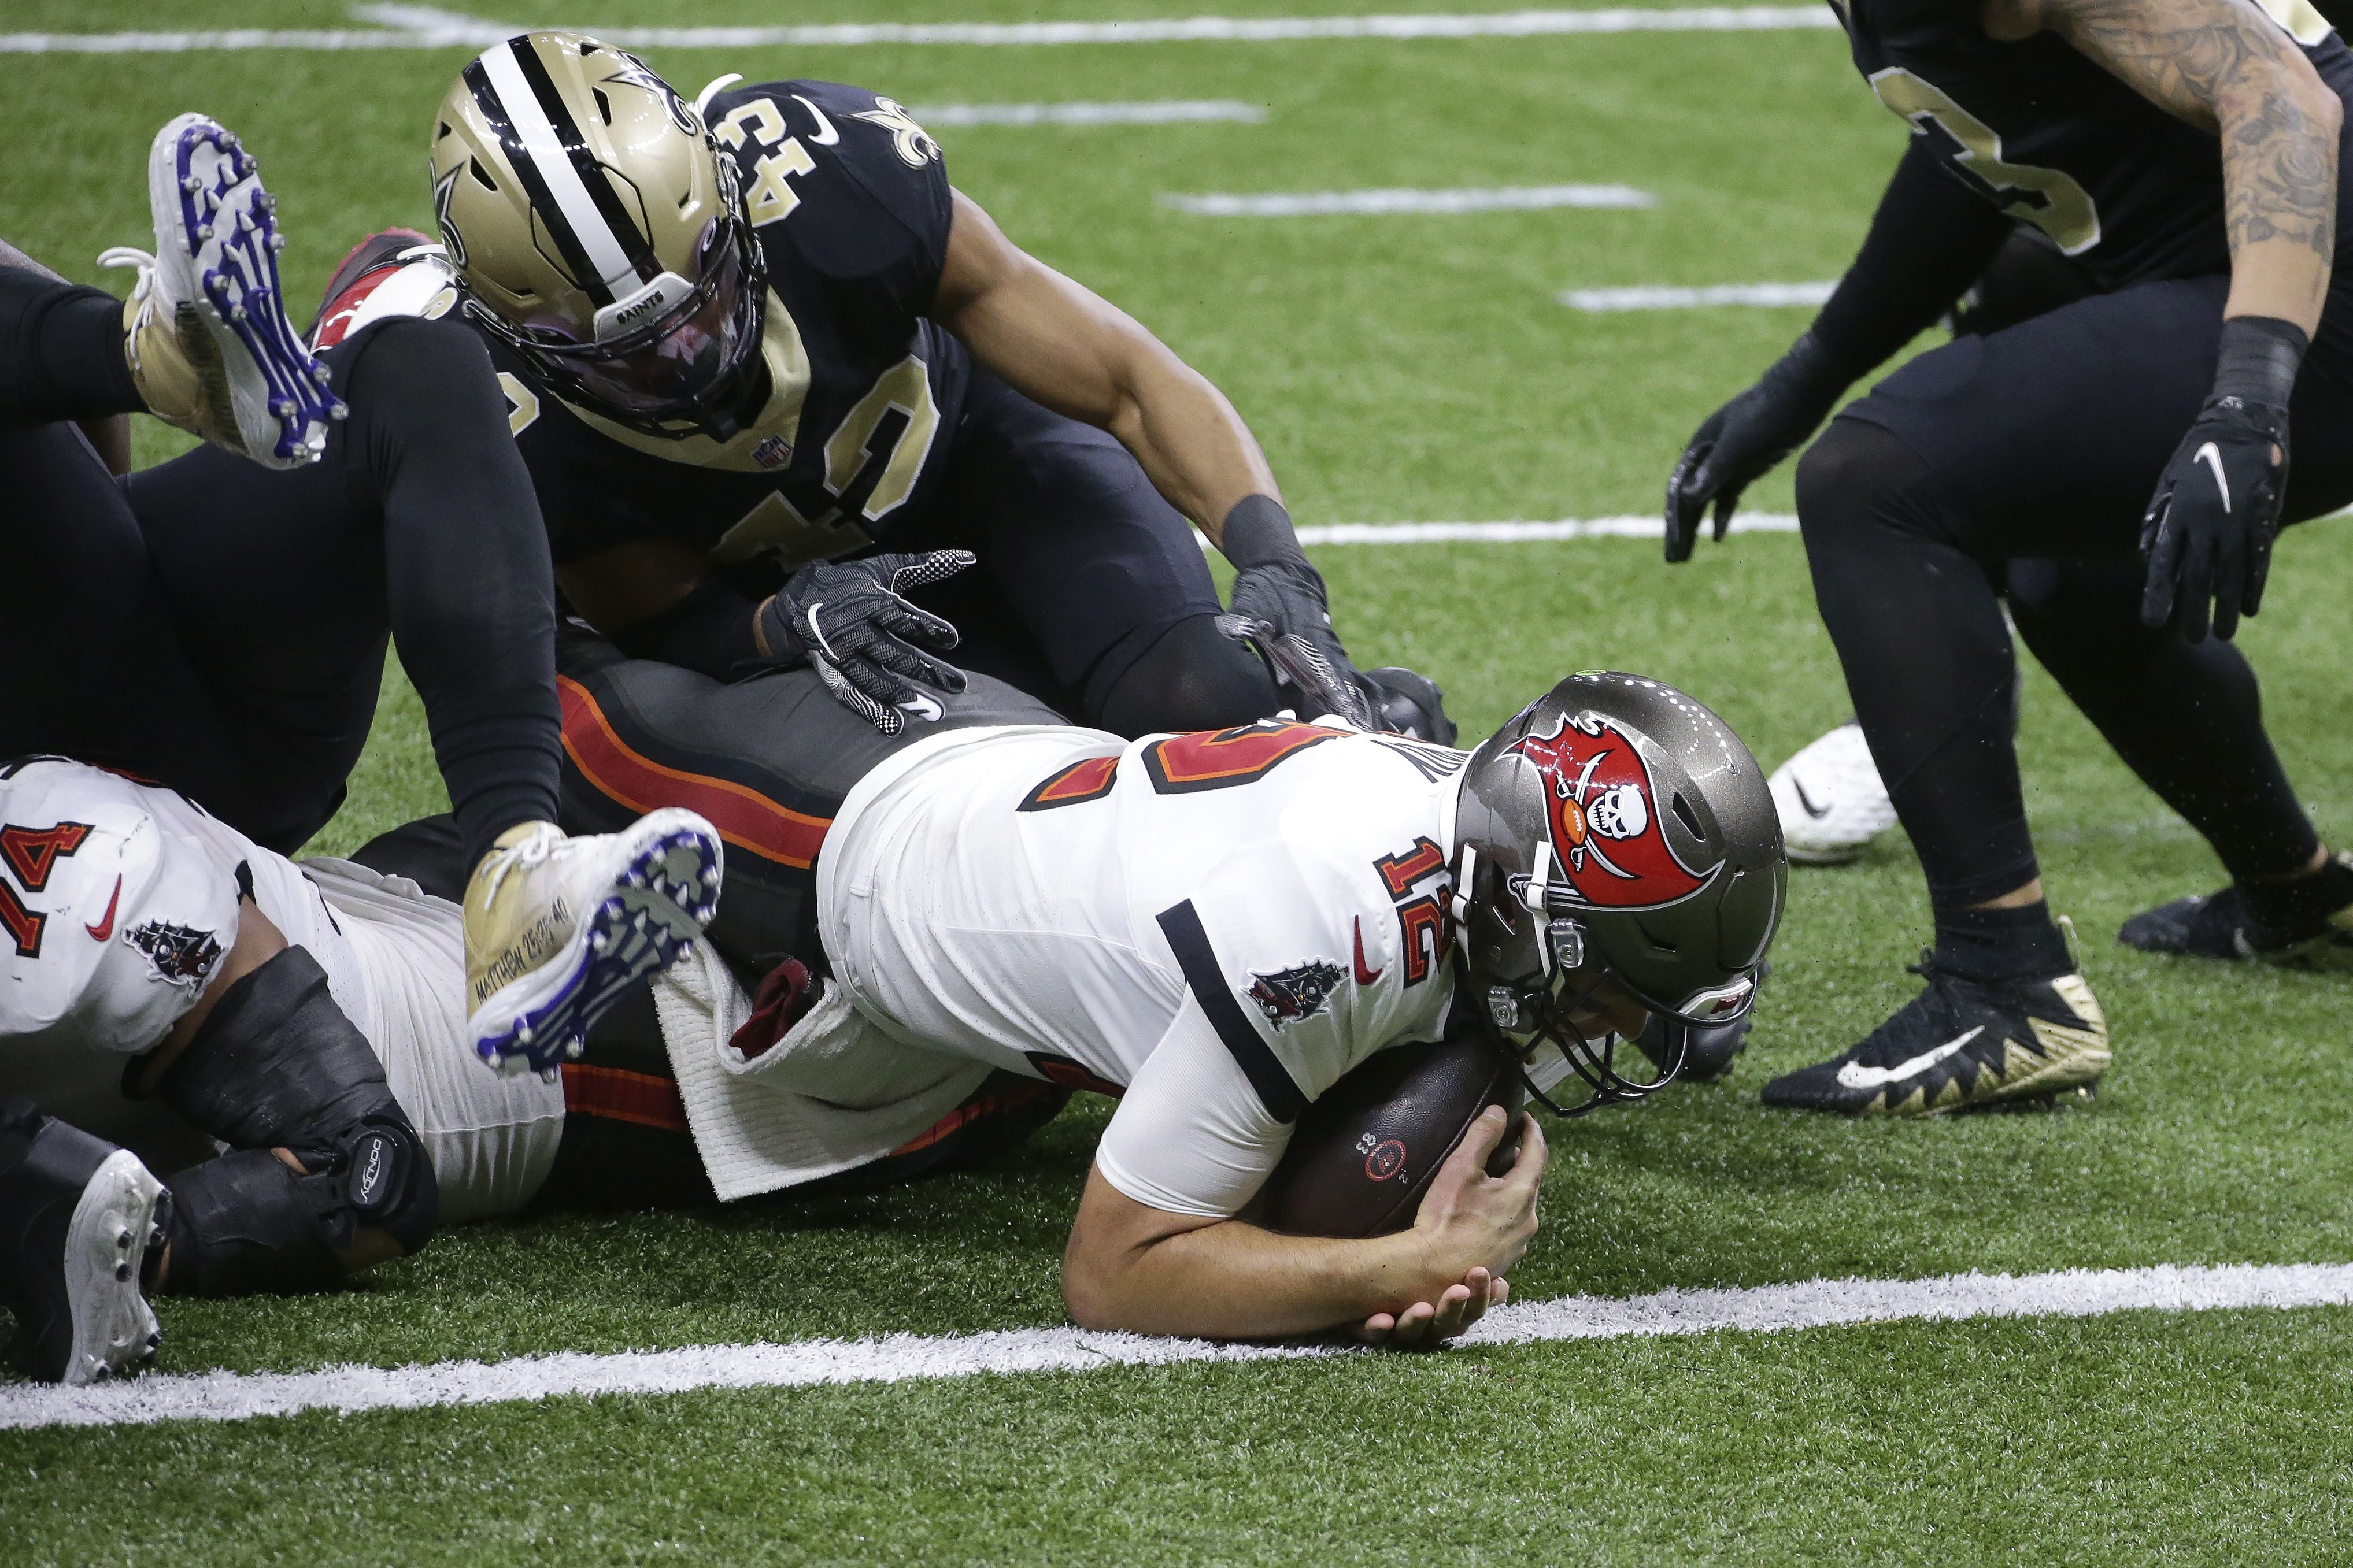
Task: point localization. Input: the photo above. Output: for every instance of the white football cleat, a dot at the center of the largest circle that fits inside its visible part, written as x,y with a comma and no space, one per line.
77,1218
1831,800
207,338
558,928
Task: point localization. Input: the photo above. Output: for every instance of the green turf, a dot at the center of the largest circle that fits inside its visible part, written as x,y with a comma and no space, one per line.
1413,368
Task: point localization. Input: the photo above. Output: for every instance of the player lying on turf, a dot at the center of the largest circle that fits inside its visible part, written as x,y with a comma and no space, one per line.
761,332
1217,926
2186,153
220,625
171,982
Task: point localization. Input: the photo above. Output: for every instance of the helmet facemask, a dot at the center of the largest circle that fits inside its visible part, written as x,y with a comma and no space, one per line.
1553,987
692,366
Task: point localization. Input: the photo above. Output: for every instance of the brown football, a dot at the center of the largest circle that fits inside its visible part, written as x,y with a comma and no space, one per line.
1364,1152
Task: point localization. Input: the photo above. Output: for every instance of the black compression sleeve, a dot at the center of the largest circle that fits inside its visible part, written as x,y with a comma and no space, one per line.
466,567
61,351
1929,241
708,631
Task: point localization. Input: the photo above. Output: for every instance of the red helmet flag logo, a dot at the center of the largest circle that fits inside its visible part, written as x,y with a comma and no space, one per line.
1604,811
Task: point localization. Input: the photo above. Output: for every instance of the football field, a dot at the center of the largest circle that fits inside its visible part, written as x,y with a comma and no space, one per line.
1364,232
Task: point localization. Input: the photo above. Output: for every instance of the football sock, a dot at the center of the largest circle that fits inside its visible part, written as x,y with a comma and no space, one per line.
61,350
2018,944
466,570
2296,903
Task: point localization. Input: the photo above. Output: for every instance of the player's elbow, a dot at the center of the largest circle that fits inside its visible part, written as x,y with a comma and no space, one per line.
1091,1291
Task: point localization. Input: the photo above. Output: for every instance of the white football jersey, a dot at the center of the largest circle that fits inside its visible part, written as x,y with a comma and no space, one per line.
122,900
1220,923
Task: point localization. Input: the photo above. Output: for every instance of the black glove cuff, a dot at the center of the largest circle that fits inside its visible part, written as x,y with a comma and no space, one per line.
1258,533
776,624
2261,355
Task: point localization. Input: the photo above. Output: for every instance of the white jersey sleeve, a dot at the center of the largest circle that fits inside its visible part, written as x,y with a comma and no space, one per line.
116,906
1291,978
1191,1136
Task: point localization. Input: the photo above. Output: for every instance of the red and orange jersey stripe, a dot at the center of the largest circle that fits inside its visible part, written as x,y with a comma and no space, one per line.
744,817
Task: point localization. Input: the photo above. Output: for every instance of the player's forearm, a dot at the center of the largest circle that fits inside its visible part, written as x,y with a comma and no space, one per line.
1929,239
2224,64
1191,442
1233,1280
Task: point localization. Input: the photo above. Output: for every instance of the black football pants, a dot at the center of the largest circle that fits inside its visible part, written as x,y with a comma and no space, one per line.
2019,464
221,628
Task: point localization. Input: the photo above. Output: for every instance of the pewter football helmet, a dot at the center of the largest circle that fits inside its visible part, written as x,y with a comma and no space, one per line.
1618,848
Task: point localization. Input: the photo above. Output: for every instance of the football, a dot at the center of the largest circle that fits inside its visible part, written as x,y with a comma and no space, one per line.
1364,1152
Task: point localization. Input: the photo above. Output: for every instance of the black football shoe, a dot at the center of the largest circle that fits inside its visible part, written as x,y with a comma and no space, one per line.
1959,1043
2222,925
77,1218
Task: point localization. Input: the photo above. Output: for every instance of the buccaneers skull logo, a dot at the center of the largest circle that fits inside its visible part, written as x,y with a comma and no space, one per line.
1606,834
1295,994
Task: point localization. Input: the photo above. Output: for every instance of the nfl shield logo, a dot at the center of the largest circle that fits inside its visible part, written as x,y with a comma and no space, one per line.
773,453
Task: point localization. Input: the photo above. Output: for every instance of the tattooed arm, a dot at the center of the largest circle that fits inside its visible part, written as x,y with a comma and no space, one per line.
2225,66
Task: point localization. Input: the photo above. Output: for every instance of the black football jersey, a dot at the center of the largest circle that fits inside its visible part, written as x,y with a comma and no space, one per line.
848,198
2052,139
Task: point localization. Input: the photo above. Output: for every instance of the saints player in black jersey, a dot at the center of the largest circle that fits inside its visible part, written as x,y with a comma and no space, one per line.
761,330
2115,467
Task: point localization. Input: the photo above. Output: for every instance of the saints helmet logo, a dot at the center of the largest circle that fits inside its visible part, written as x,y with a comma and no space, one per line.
1295,994
1604,815
912,142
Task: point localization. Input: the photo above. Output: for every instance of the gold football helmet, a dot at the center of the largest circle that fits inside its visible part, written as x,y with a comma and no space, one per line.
599,233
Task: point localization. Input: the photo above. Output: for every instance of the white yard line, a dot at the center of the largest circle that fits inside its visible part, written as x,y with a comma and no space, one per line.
1659,297
1145,111
426,28
1393,203
1647,525
1822,1303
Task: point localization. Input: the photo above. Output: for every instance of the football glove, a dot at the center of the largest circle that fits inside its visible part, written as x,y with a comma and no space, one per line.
2208,534
865,642
1280,604
1740,442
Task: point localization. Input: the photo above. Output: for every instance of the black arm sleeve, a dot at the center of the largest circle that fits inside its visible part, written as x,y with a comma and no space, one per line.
708,631
466,567
1929,242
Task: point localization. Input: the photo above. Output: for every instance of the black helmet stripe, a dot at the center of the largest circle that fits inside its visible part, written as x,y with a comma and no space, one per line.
561,180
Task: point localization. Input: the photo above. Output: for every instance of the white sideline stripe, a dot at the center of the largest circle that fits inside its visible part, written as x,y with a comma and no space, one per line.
1821,1303
423,28
1147,111
1390,202
1641,526
1657,298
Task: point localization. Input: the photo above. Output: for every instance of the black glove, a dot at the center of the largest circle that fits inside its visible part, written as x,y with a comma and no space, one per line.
1279,603
846,617
2208,535
1738,443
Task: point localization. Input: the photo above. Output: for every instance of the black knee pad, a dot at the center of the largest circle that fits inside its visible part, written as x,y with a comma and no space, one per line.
1194,677
278,1064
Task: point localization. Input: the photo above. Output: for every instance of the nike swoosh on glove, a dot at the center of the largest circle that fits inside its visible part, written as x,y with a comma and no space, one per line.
1740,442
865,642
2208,535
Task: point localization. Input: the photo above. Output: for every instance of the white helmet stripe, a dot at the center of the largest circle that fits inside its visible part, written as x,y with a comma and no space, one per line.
546,151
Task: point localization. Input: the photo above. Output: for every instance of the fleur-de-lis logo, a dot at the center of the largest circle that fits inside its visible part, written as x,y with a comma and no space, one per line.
914,144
